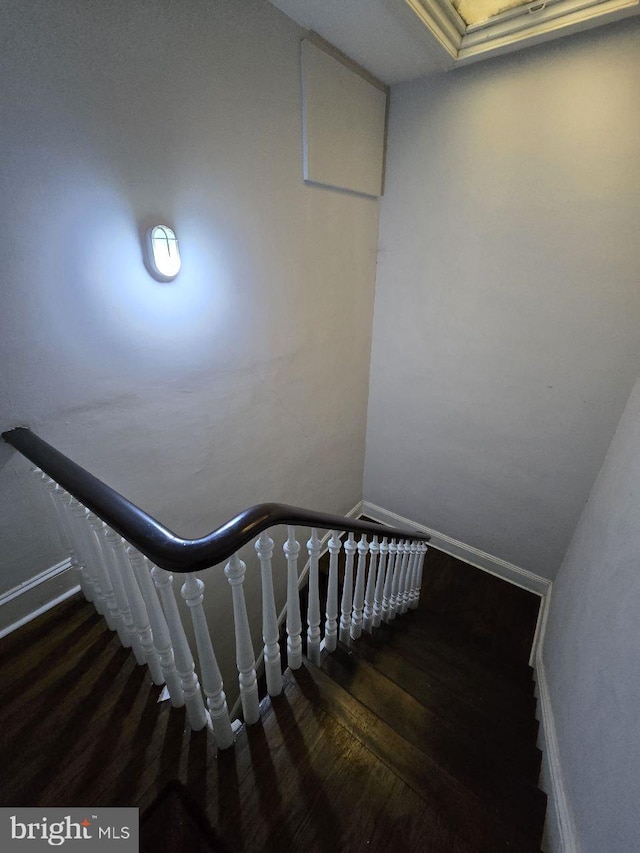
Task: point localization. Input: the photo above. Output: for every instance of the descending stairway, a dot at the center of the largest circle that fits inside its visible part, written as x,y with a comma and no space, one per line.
419,737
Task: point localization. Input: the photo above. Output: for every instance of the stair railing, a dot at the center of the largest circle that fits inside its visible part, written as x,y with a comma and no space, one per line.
126,561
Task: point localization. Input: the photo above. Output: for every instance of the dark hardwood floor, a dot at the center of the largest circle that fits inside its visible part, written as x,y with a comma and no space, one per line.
418,737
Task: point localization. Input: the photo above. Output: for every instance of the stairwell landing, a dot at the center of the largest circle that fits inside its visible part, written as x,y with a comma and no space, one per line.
418,736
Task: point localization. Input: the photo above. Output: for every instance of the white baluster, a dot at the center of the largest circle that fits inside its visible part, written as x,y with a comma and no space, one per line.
196,712
379,593
331,624
367,619
235,571
411,576
313,617
71,510
291,549
159,627
105,601
347,591
405,579
109,538
272,664
358,592
388,583
66,533
422,552
138,610
395,584
193,594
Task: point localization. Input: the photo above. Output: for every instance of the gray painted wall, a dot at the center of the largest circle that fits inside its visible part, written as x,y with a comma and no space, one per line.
245,380
591,652
507,303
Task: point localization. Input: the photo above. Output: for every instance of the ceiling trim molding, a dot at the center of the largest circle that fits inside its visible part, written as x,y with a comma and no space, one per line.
439,18
533,23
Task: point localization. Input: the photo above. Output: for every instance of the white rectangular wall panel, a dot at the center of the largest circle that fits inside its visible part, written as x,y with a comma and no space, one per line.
343,124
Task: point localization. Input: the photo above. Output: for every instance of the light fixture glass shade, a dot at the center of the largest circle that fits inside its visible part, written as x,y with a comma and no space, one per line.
163,253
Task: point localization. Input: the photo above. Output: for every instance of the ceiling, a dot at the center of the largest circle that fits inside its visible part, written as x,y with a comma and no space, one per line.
374,33
398,40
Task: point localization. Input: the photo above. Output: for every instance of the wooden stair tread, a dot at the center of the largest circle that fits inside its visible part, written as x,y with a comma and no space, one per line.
298,780
321,771
517,675
492,614
459,709
427,651
490,830
493,779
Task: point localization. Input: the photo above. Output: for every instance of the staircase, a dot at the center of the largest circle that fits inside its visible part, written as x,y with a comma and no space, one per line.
417,737
410,726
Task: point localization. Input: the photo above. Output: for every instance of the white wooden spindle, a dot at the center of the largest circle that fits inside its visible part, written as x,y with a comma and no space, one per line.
379,592
347,590
66,532
405,578
95,558
196,712
422,553
193,594
272,663
369,594
138,610
245,660
291,549
159,628
109,538
74,514
331,624
313,616
358,591
411,574
402,577
411,578
388,582
395,584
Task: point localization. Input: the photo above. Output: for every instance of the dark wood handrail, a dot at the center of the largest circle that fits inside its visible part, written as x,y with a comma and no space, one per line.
157,542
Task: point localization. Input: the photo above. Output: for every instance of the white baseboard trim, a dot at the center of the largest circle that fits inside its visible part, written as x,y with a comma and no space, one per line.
28,600
474,557
560,830
560,835
467,553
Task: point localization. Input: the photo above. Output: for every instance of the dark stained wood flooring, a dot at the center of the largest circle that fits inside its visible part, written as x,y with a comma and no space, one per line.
418,737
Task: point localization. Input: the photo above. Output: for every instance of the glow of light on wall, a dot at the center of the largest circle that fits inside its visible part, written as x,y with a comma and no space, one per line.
105,308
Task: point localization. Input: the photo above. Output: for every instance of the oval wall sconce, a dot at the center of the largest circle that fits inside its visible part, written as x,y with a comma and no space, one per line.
162,253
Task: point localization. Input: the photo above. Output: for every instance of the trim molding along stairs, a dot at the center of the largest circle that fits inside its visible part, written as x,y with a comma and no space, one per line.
34,597
560,832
